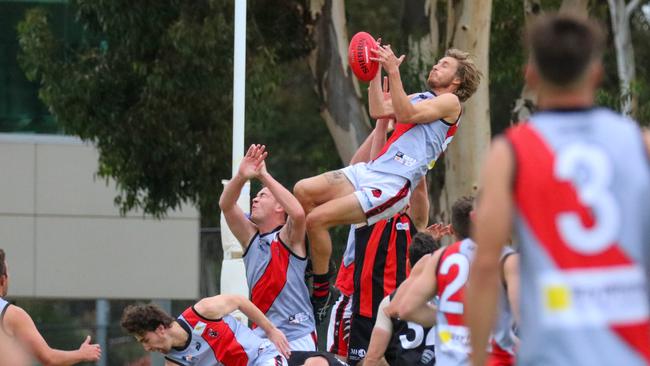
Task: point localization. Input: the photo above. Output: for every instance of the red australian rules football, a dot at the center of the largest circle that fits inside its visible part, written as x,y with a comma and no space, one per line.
359,56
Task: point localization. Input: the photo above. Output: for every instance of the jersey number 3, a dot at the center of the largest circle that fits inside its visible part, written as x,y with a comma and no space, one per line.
589,169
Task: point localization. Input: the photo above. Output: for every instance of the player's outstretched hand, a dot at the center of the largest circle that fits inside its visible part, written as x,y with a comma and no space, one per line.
253,162
90,352
280,342
386,57
437,231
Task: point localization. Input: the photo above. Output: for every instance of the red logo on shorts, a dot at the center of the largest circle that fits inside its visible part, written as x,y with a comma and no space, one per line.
376,193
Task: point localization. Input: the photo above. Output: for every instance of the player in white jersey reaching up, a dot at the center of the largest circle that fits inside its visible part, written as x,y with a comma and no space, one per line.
369,192
575,182
275,255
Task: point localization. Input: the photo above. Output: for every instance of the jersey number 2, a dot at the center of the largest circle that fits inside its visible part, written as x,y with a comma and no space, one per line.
459,260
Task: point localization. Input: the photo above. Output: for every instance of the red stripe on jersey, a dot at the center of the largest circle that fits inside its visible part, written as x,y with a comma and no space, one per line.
442,281
400,129
388,204
499,357
390,268
365,293
452,130
535,173
220,338
269,286
405,219
345,279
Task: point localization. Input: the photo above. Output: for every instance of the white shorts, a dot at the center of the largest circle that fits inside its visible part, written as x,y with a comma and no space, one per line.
305,343
381,195
338,330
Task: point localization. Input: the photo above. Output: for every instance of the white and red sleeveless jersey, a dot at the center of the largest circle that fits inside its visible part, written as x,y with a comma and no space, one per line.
276,279
413,148
345,276
452,335
224,341
582,195
502,340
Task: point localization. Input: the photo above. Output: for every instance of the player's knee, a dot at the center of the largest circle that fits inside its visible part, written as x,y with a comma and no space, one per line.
315,220
316,361
300,191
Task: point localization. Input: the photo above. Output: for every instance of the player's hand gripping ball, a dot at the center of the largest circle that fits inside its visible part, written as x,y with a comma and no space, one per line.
359,56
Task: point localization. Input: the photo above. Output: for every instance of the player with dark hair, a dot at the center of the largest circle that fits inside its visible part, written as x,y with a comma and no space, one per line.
574,181
206,335
398,341
443,274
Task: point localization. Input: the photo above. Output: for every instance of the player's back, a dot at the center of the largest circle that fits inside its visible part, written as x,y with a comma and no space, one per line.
452,336
582,190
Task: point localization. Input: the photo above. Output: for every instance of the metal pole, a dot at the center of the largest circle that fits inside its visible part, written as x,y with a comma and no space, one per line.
102,320
239,87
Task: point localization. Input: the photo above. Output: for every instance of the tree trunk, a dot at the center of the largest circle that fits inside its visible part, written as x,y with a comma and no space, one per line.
621,13
470,32
526,103
338,89
420,28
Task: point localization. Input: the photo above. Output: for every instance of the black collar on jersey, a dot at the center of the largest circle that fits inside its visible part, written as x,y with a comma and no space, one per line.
272,231
186,328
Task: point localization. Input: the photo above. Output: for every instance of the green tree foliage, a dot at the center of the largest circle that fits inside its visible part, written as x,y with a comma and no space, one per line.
152,88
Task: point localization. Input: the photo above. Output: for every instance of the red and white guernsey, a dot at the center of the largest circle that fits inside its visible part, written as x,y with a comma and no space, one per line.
224,341
502,340
582,194
413,148
276,279
452,335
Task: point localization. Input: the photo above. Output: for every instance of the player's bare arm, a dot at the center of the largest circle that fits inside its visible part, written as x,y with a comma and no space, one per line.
415,305
419,205
511,276
445,106
493,225
217,306
392,309
239,224
293,232
380,337
19,324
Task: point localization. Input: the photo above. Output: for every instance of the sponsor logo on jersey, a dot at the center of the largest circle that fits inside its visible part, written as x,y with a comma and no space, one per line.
404,159
402,226
427,356
376,193
212,333
199,328
359,353
298,318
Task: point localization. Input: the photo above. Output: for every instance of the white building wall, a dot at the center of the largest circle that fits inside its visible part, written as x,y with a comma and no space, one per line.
64,237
